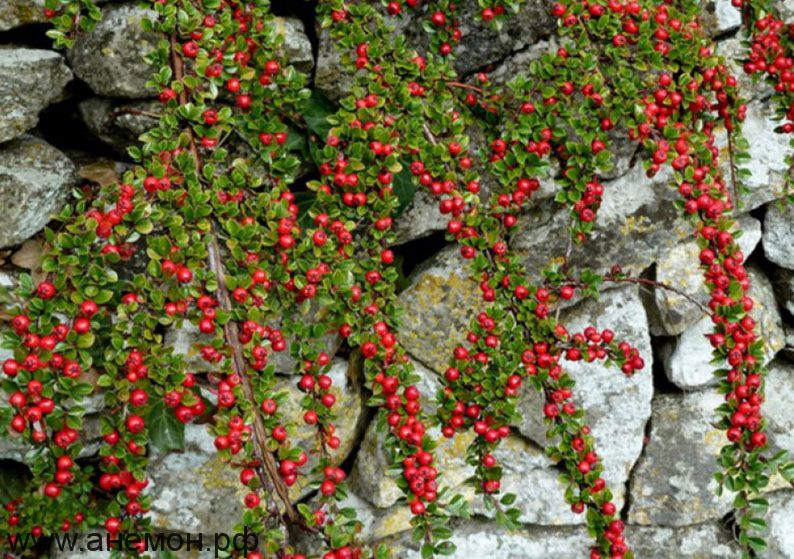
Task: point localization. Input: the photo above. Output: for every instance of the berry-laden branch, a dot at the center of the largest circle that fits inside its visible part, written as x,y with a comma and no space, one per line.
227,249
684,95
771,56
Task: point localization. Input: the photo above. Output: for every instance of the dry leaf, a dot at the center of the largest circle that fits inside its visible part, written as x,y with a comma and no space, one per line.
29,255
102,172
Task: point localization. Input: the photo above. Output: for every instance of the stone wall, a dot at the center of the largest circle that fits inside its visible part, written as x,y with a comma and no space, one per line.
65,120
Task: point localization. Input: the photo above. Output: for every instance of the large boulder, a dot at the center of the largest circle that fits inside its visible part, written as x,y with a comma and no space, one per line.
528,473
719,16
30,79
617,407
35,179
350,409
767,151
111,58
779,405
687,359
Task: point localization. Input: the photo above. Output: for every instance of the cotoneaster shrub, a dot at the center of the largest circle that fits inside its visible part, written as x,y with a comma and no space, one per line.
198,234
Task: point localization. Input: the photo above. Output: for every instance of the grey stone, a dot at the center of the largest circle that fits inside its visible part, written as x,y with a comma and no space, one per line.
780,519
783,282
439,303
702,541
719,16
687,360
528,473
119,124
57,553
481,539
679,269
35,180
636,224
15,13
350,410
184,340
296,46
673,482
617,407
194,490
110,58
30,79
420,219
734,52
13,447
480,45
779,235
478,538
778,408
767,152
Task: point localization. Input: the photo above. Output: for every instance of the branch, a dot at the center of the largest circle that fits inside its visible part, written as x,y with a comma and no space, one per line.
230,331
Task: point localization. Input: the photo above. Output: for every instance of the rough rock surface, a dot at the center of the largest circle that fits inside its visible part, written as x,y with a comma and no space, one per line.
440,302
119,124
481,45
350,408
781,525
296,46
779,235
673,482
679,269
528,473
478,539
637,223
779,403
110,59
30,79
719,16
783,282
767,151
35,180
184,339
687,360
211,502
15,13
617,407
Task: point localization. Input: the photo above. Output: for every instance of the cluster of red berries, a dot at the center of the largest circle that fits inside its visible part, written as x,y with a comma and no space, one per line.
108,220
772,55
706,196
592,345
32,407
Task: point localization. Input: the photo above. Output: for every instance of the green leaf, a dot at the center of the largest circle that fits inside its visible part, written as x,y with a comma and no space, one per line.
12,482
316,112
305,202
404,188
166,431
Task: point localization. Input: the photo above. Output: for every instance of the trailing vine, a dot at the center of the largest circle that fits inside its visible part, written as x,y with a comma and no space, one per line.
200,236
